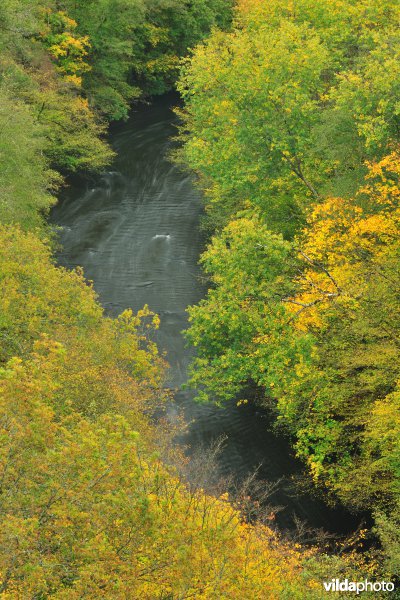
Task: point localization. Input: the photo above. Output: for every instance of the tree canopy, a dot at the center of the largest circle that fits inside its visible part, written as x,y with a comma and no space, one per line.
291,123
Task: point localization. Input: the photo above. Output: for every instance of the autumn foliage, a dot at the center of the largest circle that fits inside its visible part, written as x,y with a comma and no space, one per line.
292,125
89,511
88,507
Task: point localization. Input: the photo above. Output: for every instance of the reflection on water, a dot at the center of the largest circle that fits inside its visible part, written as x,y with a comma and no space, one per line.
135,231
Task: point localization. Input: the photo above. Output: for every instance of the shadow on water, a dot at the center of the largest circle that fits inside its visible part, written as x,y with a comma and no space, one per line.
135,231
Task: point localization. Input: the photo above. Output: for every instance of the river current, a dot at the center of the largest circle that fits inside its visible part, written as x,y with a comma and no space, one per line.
135,231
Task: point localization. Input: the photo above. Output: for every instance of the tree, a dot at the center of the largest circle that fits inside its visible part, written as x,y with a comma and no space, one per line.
251,100
113,361
67,49
285,109
241,330
26,181
136,45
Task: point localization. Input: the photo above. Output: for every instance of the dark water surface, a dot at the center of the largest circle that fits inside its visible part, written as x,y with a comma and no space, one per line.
135,231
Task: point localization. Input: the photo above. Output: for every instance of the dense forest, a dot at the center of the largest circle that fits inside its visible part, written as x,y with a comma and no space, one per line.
291,124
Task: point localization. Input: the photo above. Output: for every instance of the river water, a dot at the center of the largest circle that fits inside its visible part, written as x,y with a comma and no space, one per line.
135,231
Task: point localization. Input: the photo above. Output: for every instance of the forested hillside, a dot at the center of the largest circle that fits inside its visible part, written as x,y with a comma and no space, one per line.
291,123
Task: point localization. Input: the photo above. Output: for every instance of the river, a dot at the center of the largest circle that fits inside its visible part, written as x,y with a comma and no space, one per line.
135,231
